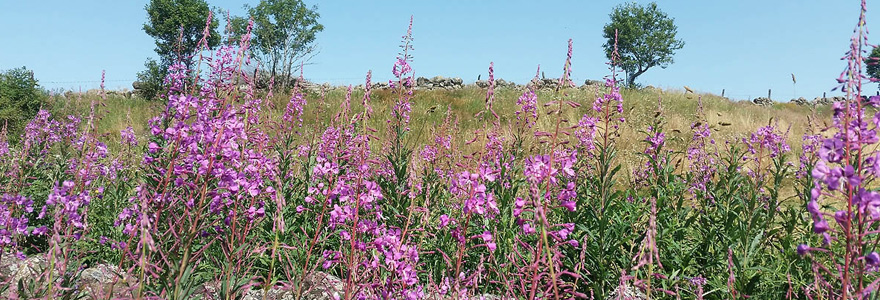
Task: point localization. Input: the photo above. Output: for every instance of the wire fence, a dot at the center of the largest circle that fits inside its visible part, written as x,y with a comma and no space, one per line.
74,85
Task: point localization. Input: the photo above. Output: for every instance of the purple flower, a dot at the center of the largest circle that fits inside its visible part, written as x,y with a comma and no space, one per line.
803,249
518,204
527,114
429,153
42,230
444,220
820,227
872,259
813,208
840,217
586,133
128,137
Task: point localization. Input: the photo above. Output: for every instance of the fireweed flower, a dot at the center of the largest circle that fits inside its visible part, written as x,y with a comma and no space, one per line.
701,157
4,143
527,114
554,170
403,85
128,136
840,175
43,132
654,142
14,219
428,154
767,138
295,107
476,199
765,143
204,155
565,80
607,99
809,148
444,220
585,133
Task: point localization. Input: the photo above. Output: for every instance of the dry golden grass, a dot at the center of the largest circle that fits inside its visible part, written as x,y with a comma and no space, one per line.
731,121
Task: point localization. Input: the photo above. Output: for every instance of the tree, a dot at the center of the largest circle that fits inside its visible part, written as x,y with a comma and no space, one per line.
874,64
20,99
645,38
149,81
283,35
178,27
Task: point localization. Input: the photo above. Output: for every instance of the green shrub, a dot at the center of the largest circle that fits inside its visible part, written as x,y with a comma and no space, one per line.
149,81
20,99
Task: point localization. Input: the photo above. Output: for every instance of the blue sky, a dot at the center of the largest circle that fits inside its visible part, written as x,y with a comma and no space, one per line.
745,47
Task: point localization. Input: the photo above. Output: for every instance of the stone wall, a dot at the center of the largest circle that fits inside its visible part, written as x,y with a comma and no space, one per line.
764,101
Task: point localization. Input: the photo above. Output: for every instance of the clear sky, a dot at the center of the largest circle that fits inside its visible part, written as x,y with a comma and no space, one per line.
744,46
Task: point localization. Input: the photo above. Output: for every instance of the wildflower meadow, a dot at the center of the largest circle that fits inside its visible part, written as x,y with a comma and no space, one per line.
223,194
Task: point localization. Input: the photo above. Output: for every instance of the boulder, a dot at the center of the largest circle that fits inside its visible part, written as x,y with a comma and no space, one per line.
105,280
763,101
322,286
801,101
626,292
593,82
422,82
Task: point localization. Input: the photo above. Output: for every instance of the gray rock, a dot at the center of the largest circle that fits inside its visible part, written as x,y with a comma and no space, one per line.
322,286
801,101
105,279
626,292
763,101
422,82
482,83
16,269
546,83
273,294
593,82
828,100
103,273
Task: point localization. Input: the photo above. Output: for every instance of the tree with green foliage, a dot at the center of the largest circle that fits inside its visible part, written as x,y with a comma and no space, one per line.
149,81
645,38
20,99
178,27
874,64
283,35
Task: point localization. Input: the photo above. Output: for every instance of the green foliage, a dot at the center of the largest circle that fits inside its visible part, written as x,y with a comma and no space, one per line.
20,99
149,81
874,63
284,34
645,38
178,27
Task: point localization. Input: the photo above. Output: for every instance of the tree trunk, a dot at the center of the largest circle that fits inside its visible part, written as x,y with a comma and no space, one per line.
631,78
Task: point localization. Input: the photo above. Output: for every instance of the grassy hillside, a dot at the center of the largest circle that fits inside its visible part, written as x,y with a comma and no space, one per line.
731,121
